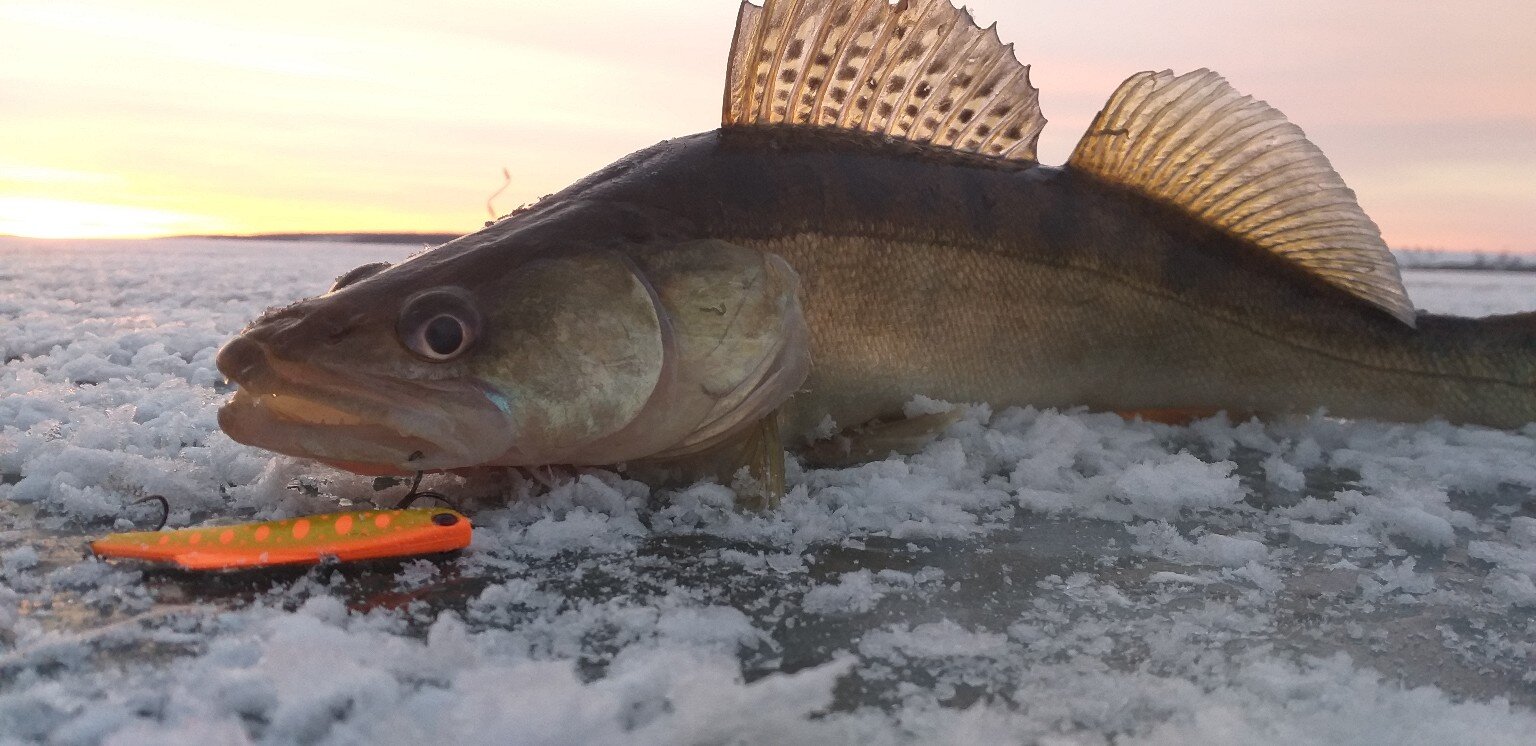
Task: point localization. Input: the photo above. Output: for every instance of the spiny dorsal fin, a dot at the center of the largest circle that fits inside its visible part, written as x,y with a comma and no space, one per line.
920,71
1235,163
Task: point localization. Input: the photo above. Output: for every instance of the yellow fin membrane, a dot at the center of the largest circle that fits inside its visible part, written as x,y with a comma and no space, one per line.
351,536
1238,165
919,71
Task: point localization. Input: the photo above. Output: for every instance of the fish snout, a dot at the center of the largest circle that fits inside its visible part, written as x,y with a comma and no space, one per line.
240,359
296,332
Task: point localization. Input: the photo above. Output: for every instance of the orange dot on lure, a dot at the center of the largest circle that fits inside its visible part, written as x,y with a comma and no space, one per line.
370,534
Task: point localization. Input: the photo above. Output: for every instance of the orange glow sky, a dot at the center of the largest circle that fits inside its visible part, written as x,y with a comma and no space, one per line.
146,117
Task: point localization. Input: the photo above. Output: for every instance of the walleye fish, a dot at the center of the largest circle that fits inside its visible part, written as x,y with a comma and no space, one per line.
870,223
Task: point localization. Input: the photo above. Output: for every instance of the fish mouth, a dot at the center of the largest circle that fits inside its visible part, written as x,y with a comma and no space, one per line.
367,424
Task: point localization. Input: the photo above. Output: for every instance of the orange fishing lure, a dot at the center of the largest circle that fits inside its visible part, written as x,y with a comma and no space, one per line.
362,535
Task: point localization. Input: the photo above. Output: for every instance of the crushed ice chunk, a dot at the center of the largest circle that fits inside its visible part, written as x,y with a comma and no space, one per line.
1163,540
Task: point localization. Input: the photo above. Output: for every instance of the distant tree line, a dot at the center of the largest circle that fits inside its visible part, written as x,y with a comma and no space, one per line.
360,237
1482,260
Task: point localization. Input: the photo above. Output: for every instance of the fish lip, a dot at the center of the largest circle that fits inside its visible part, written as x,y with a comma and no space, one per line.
365,423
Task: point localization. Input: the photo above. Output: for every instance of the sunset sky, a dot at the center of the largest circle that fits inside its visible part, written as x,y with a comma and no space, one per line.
152,117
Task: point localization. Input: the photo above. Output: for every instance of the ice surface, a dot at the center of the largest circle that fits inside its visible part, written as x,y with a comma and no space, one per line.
1032,576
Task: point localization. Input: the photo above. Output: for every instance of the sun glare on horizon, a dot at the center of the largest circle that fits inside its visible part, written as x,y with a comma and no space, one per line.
37,217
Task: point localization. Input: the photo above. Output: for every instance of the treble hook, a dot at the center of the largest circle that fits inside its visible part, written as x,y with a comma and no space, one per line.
416,494
165,509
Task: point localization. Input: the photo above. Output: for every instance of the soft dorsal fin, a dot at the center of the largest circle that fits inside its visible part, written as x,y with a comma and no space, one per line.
1193,142
919,71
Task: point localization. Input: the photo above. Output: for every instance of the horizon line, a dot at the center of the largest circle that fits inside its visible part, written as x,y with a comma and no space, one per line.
438,237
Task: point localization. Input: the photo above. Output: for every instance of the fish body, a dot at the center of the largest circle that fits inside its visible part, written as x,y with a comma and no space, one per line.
870,224
925,274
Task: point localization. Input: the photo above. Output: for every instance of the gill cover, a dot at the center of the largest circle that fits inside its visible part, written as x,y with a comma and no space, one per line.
577,346
738,335
604,357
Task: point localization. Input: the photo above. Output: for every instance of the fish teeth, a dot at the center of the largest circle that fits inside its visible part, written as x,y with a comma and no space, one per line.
300,409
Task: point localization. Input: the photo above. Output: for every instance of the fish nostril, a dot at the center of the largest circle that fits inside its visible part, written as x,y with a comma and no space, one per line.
239,358
337,335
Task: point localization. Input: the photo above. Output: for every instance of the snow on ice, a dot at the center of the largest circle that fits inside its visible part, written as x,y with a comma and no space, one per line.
1033,576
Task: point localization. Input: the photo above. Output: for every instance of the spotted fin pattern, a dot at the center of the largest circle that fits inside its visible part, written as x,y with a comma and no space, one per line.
362,535
1235,163
919,71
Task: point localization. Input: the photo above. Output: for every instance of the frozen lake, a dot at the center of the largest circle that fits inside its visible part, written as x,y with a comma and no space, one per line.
1033,576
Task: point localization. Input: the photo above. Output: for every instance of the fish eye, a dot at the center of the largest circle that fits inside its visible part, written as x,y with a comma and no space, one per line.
439,325
360,273
445,519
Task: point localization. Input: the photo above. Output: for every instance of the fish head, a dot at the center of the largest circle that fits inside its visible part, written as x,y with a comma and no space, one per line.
372,376
581,355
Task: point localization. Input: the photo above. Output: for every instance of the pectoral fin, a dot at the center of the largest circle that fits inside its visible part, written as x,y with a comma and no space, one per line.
762,457
876,440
